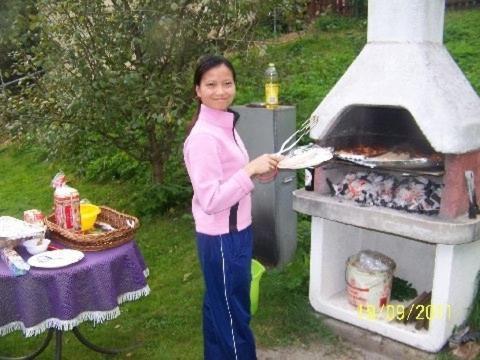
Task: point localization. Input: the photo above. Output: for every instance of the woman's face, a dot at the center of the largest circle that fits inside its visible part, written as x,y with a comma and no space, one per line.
217,88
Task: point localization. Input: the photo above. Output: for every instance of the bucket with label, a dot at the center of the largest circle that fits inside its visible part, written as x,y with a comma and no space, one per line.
369,276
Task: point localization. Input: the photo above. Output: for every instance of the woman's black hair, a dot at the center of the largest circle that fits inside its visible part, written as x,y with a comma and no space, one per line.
204,64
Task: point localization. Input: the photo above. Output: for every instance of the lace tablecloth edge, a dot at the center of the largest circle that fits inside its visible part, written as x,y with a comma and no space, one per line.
65,325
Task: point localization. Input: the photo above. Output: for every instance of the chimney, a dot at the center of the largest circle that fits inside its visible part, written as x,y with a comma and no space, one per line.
405,65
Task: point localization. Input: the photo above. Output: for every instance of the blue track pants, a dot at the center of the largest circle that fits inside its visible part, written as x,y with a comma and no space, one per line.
226,265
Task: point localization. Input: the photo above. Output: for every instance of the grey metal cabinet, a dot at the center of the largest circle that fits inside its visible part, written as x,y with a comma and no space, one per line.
274,221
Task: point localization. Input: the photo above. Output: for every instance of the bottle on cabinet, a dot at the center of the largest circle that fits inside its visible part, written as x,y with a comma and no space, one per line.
272,87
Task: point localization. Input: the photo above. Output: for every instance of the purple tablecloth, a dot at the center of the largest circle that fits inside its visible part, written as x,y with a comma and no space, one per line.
62,298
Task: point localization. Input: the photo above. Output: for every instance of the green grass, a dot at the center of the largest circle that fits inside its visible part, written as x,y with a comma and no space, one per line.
168,321
462,39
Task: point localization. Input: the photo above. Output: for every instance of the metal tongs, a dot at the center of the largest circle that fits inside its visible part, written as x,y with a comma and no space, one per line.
472,197
293,140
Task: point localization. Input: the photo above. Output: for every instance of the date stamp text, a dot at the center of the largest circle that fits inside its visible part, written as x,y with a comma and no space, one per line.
405,313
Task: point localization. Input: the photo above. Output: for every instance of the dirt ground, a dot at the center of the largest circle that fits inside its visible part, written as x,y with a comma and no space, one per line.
352,343
341,351
348,351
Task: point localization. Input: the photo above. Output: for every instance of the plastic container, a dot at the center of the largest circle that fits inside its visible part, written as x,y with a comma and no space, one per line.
34,216
88,215
369,276
257,271
35,246
272,87
14,261
67,204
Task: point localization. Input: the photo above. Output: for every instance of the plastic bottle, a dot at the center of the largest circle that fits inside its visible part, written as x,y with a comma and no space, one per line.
272,87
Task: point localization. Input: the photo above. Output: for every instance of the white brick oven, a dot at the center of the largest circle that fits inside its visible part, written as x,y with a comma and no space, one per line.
403,88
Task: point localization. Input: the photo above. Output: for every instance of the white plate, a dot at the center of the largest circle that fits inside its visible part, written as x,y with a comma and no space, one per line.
305,156
56,258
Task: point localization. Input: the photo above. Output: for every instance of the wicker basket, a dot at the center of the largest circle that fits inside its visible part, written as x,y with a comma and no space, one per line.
125,227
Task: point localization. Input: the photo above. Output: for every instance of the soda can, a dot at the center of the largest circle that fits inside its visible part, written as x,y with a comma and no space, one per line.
33,216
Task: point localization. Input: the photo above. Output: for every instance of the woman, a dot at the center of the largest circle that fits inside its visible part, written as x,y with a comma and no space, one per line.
221,175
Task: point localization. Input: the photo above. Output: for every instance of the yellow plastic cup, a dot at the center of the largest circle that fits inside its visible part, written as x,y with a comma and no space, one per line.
257,272
88,215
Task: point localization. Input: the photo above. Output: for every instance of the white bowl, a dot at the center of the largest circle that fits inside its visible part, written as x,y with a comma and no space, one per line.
33,247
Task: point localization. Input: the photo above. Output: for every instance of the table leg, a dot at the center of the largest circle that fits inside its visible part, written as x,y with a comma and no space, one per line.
36,352
58,344
97,348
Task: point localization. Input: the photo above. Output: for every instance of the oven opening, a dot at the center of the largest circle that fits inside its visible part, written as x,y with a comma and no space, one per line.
378,129
382,158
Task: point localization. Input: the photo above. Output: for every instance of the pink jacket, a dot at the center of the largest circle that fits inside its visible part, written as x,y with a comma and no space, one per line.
221,187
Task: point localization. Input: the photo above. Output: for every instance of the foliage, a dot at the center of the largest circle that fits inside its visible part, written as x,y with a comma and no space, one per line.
359,7
280,17
402,290
286,16
295,278
112,166
474,317
14,13
291,15
118,74
332,22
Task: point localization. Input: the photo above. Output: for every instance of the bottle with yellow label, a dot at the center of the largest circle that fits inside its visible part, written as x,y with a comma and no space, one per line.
272,87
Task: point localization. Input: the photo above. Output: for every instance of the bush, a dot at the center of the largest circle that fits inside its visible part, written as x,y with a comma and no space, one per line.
116,80
334,22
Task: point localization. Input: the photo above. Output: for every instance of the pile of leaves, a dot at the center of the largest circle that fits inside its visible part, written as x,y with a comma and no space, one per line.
402,290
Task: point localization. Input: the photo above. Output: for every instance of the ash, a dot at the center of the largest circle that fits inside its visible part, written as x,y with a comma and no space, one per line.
415,194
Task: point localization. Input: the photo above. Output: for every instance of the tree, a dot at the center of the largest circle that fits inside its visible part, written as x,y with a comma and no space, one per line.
117,74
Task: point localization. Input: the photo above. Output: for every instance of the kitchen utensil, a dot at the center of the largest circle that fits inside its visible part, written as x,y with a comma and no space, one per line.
472,197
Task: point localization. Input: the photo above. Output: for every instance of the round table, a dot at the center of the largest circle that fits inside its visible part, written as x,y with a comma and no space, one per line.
60,299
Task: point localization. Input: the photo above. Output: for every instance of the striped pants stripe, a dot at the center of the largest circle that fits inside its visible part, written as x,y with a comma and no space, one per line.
226,265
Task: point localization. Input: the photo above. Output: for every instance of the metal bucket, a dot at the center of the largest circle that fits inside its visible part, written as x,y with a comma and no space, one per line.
369,276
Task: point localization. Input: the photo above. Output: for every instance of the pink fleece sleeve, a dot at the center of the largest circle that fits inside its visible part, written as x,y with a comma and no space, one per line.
205,171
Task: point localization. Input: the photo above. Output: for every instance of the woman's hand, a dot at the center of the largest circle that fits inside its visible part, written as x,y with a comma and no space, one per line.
263,165
267,177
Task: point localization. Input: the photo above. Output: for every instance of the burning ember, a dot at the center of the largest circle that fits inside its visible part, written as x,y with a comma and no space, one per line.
413,194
